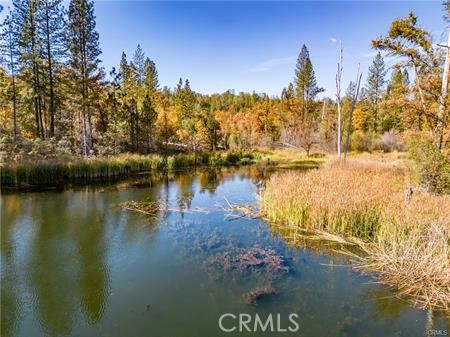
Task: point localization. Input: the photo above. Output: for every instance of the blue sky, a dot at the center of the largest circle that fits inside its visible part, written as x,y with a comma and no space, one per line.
250,46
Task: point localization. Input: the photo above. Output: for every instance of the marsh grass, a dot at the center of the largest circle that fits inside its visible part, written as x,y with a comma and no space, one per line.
84,170
362,202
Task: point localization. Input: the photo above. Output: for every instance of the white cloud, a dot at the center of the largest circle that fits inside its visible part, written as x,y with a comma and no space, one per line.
370,54
258,69
278,61
272,63
333,40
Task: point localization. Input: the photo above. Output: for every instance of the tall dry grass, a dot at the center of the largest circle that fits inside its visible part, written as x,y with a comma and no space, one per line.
363,202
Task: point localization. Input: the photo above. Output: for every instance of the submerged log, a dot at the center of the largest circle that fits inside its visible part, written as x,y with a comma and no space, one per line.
254,296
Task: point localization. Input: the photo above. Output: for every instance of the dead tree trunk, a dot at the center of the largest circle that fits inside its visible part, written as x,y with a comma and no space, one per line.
443,99
338,99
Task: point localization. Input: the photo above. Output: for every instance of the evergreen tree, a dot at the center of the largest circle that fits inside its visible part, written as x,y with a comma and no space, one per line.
288,93
149,112
25,26
51,30
8,56
395,113
305,82
187,112
139,65
129,102
375,86
84,52
447,10
399,81
407,39
300,72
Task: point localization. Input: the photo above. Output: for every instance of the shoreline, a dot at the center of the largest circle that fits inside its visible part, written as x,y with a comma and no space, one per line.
362,202
85,171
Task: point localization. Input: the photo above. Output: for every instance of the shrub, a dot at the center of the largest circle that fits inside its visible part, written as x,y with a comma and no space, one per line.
23,149
361,141
391,142
431,166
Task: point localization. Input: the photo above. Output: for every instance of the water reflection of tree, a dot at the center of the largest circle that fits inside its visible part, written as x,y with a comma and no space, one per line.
185,184
11,302
68,260
209,180
52,266
91,250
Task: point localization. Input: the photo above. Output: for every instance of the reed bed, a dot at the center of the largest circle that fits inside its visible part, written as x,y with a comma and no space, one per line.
406,241
84,170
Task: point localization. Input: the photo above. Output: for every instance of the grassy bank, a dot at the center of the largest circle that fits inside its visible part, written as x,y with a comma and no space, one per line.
406,241
84,170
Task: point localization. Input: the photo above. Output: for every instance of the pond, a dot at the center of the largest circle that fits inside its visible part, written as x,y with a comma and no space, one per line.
76,263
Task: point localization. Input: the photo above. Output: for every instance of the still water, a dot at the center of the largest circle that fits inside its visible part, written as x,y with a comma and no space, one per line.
75,263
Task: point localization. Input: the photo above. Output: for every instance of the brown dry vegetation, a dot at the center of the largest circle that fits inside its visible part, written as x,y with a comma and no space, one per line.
362,201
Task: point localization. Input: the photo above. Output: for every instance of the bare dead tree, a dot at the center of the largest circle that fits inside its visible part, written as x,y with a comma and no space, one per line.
339,99
443,97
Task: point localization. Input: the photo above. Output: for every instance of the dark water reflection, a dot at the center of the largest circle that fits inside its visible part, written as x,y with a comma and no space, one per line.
74,263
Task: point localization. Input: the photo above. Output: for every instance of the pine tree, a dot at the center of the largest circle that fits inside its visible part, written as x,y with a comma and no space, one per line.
51,30
299,71
128,96
149,107
447,10
25,27
399,81
84,52
305,82
139,65
395,113
375,86
8,56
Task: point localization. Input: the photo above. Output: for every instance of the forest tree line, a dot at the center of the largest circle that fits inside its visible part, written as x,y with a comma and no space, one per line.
56,98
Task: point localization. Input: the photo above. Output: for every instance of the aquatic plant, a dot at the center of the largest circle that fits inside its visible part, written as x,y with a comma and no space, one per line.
149,207
363,202
255,260
84,170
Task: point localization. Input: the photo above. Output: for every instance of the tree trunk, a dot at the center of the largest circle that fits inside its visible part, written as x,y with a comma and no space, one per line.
442,101
50,74
421,96
338,98
13,77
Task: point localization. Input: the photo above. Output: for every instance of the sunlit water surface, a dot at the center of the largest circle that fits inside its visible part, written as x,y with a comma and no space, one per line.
75,263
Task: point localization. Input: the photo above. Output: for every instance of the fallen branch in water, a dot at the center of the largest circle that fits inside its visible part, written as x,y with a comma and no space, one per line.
245,210
147,207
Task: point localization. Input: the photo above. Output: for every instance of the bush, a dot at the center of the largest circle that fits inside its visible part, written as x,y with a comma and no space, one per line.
360,141
391,142
431,165
23,149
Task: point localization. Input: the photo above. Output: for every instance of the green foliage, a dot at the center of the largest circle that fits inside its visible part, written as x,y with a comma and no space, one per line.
46,73
84,60
431,165
305,81
54,172
363,141
375,87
